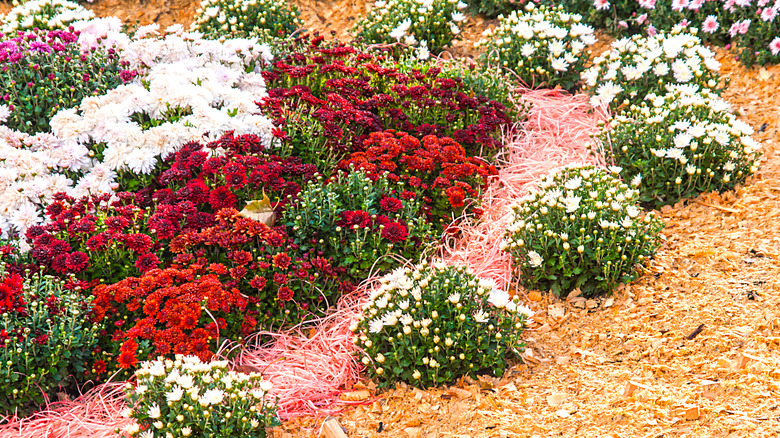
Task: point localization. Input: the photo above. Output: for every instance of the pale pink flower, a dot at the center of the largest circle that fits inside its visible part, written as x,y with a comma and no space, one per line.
651,30
729,6
679,5
734,29
710,24
647,4
742,3
601,4
762,3
622,24
769,14
696,5
744,26
774,46
641,19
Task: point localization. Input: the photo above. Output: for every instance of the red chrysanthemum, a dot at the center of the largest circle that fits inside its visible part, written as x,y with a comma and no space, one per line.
395,232
147,262
282,260
222,197
127,360
77,261
285,293
391,204
258,283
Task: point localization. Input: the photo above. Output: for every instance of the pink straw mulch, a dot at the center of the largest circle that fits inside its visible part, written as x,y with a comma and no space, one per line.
311,366
96,414
556,134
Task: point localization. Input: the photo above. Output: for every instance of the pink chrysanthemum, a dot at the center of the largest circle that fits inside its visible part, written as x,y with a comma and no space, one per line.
774,46
710,24
769,14
679,5
601,4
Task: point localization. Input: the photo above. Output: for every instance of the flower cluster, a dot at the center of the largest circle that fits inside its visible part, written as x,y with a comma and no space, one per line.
638,66
43,14
44,72
495,8
186,397
44,339
358,222
680,144
614,15
261,18
325,99
428,25
754,29
581,229
437,169
162,312
431,324
542,45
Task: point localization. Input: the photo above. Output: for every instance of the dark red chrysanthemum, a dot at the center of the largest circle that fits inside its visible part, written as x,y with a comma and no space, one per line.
138,242
391,204
77,261
282,260
285,293
395,232
147,262
221,197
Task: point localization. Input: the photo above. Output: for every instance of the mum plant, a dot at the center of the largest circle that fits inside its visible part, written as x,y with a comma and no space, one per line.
43,14
581,229
431,324
681,143
429,25
359,222
45,339
44,72
543,45
637,66
438,170
187,397
240,18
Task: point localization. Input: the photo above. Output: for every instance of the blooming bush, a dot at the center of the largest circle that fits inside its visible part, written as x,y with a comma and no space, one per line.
241,18
43,14
638,66
430,25
680,144
436,169
754,30
495,8
429,325
326,99
356,221
615,16
44,339
189,398
44,72
581,229
543,45
169,311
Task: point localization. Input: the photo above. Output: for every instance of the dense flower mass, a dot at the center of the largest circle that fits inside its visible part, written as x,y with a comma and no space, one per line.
432,324
542,45
43,14
204,399
638,66
581,229
681,143
427,25
437,169
326,99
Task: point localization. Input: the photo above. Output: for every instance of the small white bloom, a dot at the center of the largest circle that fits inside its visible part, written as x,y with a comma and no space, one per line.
534,259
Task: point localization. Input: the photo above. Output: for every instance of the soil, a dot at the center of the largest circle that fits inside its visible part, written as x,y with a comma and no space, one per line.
690,349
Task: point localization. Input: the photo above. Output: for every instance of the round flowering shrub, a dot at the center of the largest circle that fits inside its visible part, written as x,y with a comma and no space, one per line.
241,18
430,25
542,45
638,66
615,15
680,144
43,14
189,398
356,221
431,324
436,169
581,229
495,8
326,99
44,72
45,340
166,312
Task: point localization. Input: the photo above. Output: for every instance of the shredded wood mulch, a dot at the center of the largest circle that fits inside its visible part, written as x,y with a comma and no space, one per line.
690,349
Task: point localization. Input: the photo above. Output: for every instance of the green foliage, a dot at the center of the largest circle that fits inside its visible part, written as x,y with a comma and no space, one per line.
45,340
189,398
680,144
581,229
429,325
